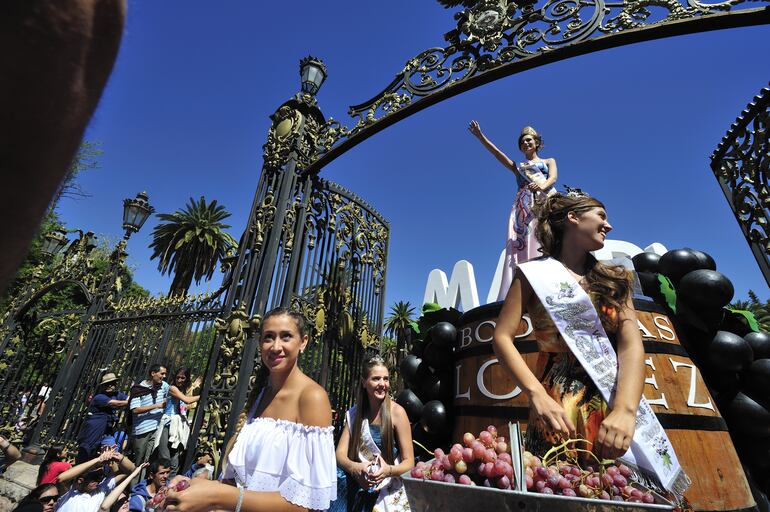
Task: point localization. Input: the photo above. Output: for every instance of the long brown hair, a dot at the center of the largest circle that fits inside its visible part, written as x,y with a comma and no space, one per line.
608,285
362,410
263,373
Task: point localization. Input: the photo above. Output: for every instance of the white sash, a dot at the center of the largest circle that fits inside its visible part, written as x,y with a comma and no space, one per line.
575,317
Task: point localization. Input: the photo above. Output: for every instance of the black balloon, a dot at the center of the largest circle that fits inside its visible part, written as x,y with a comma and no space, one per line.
434,417
705,289
409,369
678,262
729,352
748,417
437,356
437,387
757,380
443,334
704,260
704,320
760,344
650,283
723,381
646,262
411,404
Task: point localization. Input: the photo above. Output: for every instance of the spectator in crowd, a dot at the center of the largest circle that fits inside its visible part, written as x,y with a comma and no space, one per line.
41,498
91,483
10,454
143,492
117,499
54,464
147,404
205,461
174,427
101,417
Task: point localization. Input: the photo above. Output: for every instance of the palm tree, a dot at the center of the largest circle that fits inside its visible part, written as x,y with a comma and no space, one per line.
399,325
190,243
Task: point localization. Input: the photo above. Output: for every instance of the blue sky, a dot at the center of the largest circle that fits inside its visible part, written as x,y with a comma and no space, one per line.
186,112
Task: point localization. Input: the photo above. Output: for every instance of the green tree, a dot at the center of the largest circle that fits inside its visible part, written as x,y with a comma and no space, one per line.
86,158
190,243
760,311
399,325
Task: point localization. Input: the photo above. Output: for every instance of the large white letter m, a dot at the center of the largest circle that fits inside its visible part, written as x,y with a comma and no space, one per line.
460,292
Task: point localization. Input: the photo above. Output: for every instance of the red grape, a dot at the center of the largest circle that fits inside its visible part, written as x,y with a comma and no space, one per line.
620,480
530,482
486,483
624,470
457,446
553,481
486,438
612,471
455,455
417,473
568,492
438,453
542,472
464,480
648,498
604,495
446,463
607,479
437,475
501,447
467,454
478,450
504,483
492,430
539,485
499,468
506,457
490,455
547,490
449,478
564,483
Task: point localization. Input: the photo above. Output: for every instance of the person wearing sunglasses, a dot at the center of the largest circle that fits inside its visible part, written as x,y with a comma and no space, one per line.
41,498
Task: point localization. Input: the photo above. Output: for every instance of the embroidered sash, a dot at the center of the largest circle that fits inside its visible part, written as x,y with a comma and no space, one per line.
574,315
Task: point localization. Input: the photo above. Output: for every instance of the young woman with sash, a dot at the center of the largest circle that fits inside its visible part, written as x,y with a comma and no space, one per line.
374,448
282,456
590,371
535,179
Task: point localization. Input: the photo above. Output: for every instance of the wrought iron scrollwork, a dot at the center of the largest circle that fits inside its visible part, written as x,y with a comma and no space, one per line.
497,33
741,164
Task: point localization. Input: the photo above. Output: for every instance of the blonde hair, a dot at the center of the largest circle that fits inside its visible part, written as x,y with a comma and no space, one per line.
362,408
262,375
608,285
528,130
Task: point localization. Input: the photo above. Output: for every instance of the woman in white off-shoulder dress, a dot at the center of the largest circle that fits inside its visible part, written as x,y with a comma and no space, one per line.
282,457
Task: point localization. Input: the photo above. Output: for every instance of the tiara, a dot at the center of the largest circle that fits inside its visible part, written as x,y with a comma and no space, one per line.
574,192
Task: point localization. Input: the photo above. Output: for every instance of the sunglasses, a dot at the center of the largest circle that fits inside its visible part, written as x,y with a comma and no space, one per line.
48,499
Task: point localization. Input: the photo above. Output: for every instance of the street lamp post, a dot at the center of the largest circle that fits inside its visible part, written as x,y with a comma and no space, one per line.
135,213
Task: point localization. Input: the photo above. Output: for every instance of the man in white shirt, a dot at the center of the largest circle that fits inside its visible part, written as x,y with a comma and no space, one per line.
93,481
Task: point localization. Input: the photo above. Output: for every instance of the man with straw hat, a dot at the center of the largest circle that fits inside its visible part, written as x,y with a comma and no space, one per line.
100,416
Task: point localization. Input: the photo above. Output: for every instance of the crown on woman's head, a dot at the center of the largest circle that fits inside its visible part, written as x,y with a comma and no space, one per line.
574,192
528,130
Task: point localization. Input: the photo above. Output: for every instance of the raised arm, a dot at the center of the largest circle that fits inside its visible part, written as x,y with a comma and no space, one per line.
617,429
177,393
113,496
553,172
475,129
12,454
85,467
546,408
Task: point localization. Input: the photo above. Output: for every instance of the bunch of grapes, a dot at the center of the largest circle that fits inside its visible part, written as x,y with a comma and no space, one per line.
482,460
158,502
568,479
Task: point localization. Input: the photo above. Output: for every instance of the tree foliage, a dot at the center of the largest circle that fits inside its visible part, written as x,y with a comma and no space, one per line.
190,242
87,158
760,310
399,325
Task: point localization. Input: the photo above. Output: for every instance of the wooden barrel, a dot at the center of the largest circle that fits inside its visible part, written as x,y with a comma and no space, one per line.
485,394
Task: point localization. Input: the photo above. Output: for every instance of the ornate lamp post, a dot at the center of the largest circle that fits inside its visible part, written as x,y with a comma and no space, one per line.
54,242
313,73
135,213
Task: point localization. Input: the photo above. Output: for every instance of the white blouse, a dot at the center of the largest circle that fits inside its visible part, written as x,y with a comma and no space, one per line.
293,459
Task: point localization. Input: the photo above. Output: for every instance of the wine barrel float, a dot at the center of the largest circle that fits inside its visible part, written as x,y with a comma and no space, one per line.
485,394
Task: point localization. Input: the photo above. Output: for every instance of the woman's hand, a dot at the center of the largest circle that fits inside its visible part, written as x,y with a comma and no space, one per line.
552,414
200,496
360,471
615,434
384,472
197,383
475,129
536,187
107,455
